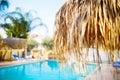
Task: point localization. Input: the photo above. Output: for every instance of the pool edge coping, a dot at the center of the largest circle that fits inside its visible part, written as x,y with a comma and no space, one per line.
89,75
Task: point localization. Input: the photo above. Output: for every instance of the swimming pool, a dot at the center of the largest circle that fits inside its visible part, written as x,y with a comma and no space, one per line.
43,70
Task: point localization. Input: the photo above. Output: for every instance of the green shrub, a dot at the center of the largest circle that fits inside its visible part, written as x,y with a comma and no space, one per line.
31,44
1,36
48,43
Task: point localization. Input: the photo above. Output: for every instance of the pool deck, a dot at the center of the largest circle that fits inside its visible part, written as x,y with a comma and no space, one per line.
107,72
16,62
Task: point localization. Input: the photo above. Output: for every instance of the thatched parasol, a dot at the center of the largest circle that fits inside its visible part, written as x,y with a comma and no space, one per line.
13,43
82,24
9,46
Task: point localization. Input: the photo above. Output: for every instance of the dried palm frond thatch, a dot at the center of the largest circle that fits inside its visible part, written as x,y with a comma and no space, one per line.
12,43
82,24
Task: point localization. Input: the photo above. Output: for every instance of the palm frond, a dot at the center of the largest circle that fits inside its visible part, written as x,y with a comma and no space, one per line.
4,4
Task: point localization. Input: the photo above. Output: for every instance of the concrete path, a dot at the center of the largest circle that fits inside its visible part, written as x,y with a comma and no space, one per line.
107,72
16,62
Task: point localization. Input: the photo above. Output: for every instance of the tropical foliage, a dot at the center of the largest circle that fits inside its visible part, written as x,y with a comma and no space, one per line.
48,43
18,24
31,44
0,35
4,4
84,24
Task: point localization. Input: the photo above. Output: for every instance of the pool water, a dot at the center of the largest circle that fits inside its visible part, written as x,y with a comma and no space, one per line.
43,70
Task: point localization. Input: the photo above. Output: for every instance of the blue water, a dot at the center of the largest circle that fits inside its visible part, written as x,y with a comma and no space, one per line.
44,70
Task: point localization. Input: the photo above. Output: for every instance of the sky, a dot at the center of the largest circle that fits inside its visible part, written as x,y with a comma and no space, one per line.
46,10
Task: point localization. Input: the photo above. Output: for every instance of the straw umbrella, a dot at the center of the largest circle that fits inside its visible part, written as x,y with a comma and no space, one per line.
84,24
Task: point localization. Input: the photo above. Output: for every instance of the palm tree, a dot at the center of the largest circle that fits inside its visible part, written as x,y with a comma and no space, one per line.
84,24
4,4
18,24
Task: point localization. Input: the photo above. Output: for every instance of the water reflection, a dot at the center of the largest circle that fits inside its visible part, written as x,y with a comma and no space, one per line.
44,70
53,64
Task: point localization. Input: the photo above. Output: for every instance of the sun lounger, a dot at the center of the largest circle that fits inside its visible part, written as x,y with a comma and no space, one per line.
116,64
17,57
116,70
